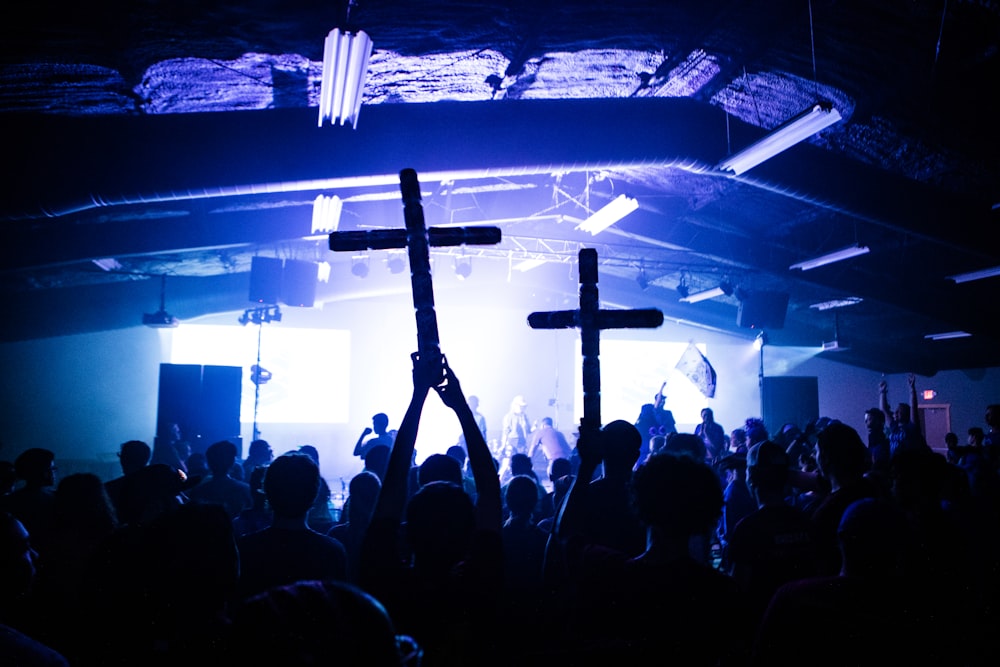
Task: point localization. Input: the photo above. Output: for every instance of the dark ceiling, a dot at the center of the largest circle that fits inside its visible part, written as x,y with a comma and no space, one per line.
181,139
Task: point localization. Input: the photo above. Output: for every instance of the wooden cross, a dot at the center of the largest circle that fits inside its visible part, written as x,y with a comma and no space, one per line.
590,319
417,239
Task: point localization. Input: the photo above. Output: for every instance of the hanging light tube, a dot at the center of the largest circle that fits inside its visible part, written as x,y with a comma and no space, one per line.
975,275
704,295
345,66
830,258
948,335
806,124
614,211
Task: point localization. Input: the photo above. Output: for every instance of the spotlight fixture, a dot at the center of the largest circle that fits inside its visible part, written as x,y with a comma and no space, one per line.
396,262
345,66
760,341
359,266
617,209
463,267
682,287
829,258
806,124
975,275
641,279
161,319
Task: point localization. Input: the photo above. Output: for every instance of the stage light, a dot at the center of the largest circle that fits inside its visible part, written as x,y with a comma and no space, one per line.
975,275
617,209
161,319
396,262
359,266
760,341
641,279
345,66
806,124
829,258
463,267
682,287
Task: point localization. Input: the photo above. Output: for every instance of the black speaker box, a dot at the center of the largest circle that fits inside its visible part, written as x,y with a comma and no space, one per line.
265,279
790,399
762,310
298,283
203,400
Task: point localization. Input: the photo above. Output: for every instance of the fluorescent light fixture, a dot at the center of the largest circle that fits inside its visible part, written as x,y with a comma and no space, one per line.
806,124
976,275
948,335
345,66
326,214
108,264
617,209
528,264
837,303
704,295
830,258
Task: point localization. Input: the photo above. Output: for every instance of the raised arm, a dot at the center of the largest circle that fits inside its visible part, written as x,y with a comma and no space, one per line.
484,473
883,401
359,446
572,518
392,498
911,381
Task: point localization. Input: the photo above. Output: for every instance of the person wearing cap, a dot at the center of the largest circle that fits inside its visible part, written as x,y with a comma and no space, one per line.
774,544
516,427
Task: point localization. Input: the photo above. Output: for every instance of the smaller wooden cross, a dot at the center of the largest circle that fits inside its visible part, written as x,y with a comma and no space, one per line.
417,239
590,319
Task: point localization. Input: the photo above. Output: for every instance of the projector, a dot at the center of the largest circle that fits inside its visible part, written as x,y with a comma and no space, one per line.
161,319
833,346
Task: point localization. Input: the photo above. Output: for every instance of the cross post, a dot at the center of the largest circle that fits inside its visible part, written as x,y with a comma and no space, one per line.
417,239
590,319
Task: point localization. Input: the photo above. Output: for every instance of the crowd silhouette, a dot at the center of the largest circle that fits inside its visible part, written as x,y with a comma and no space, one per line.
639,545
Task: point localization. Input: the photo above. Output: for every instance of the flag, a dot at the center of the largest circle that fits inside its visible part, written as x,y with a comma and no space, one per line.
696,368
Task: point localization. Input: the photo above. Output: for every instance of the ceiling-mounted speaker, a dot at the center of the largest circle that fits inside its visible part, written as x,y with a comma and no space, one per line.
762,310
298,283
265,279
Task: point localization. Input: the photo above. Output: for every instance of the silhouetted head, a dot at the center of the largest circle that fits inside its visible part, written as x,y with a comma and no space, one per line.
440,468
521,495
220,457
707,416
622,444
874,419
560,467
520,464
315,623
363,489
260,452
36,466
840,453
291,484
133,455
457,452
380,422
767,467
685,444
311,452
677,494
82,505
377,459
440,519
755,430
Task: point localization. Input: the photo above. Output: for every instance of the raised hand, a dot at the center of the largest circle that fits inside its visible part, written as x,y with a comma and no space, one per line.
450,390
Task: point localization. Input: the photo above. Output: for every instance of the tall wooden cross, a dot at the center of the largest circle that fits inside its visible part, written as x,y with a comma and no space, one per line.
590,319
417,239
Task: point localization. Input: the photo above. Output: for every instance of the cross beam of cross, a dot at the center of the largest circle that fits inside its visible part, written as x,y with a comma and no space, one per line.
590,319
417,239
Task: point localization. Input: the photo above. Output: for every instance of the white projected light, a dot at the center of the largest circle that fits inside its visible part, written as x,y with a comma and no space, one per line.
345,66
806,124
617,209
